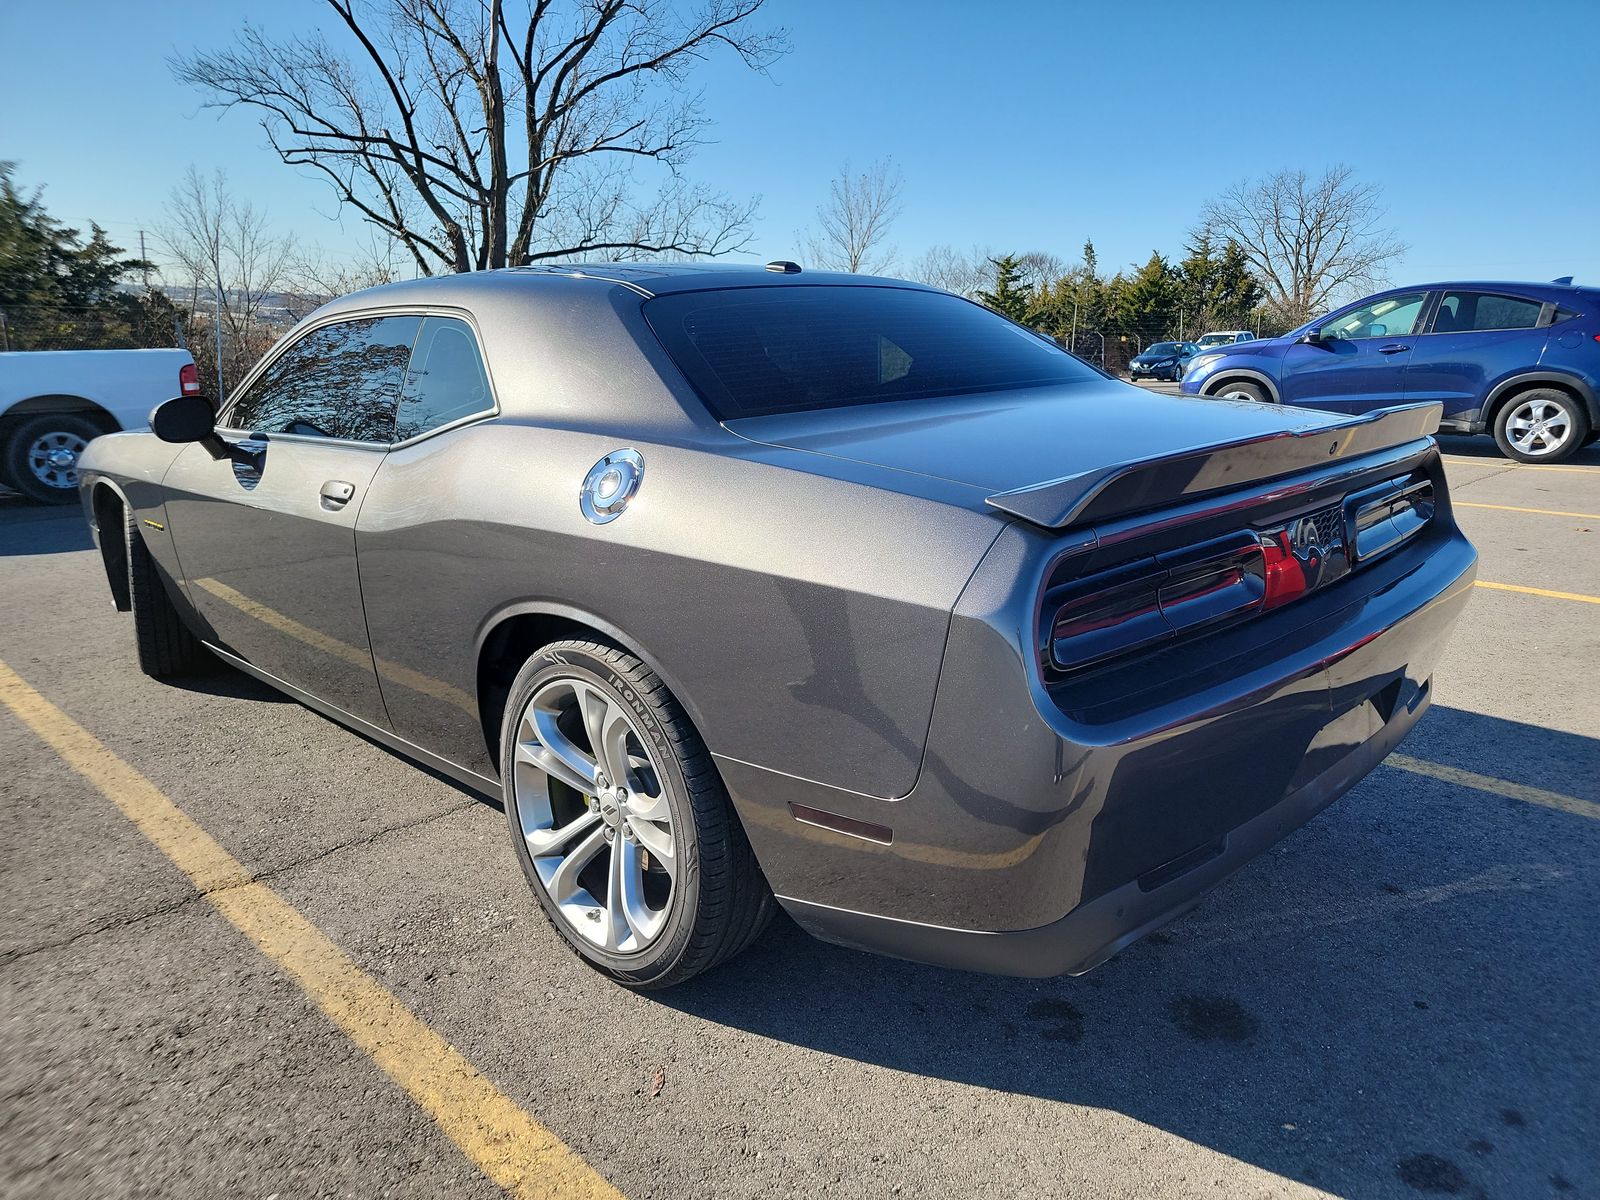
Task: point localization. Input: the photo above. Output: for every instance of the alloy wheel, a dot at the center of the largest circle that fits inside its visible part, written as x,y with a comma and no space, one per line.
1538,427
53,458
592,809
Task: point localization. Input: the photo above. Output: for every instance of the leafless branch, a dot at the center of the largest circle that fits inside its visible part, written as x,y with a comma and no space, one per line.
1309,242
854,224
465,129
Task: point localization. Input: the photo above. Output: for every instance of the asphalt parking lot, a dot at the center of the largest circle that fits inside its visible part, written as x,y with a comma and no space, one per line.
1399,1000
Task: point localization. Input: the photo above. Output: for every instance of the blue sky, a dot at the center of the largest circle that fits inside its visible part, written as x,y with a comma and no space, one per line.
1017,126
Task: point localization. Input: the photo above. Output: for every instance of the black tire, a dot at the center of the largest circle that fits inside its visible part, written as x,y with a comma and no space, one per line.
1242,390
1576,416
166,649
721,901
59,485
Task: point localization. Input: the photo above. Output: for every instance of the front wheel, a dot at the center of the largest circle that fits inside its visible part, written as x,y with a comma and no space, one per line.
620,821
1243,391
165,646
1541,426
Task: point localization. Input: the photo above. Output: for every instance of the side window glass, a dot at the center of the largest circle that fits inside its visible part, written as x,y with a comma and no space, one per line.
1393,316
1460,311
446,381
340,381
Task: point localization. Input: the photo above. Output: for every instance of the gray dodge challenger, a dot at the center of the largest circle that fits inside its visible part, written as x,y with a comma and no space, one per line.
749,586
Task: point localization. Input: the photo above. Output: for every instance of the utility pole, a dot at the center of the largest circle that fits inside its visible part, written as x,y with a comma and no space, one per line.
145,261
216,321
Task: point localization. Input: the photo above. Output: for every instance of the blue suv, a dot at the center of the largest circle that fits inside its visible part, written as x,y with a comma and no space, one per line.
1520,360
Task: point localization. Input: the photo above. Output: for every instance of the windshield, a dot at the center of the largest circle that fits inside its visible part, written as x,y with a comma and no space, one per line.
1216,339
759,350
1164,349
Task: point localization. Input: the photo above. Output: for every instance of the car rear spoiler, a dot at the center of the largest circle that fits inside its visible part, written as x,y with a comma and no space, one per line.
1126,488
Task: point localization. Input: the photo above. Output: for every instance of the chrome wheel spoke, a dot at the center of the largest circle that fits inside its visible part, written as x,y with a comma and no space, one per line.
552,752
647,808
629,916
608,728
657,841
563,881
542,842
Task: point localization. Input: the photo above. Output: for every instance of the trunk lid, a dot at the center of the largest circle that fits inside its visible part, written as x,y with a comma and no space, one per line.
1072,454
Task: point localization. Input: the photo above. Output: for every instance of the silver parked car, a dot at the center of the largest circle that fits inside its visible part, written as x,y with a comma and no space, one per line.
745,585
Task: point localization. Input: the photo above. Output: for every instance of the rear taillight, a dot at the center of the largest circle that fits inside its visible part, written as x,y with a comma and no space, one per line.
189,379
1147,601
1381,518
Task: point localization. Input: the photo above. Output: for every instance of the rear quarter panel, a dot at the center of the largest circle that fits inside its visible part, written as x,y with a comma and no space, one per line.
799,616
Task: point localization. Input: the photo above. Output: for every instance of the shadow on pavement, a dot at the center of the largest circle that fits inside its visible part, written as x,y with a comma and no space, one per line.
1400,999
28,528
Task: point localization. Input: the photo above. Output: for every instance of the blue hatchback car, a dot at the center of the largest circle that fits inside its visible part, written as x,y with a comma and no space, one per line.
1519,360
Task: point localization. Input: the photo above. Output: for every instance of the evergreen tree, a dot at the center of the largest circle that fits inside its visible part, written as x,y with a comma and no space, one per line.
1217,290
1009,297
1146,303
59,290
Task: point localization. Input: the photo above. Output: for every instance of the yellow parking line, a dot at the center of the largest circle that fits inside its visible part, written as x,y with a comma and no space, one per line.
1533,591
1497,787
502,1140
1543,512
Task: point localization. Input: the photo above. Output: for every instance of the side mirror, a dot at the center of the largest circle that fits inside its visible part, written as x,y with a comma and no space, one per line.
189,419
183,419
1310,337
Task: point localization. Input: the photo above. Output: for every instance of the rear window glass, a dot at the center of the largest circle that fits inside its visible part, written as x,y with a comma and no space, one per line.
1464,311
752,351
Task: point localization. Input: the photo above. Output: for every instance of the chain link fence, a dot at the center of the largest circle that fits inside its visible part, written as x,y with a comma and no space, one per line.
130,327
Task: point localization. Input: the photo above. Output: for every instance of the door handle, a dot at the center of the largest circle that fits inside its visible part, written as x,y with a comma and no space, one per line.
336,493
1392,349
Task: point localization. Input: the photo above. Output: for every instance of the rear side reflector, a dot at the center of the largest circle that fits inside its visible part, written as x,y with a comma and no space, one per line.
840,823
189,380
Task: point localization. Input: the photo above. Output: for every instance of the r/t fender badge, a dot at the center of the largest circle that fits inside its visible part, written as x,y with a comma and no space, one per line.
610,484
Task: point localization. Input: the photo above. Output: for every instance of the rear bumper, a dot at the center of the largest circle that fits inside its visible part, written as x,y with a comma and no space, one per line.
1046,832
1095,931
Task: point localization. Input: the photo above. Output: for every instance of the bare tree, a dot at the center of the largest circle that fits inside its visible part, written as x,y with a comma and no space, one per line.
227,256
1040,268
488,133
963,272
314,277
1308,241
853,224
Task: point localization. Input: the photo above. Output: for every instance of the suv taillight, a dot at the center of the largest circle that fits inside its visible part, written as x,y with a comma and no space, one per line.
189,379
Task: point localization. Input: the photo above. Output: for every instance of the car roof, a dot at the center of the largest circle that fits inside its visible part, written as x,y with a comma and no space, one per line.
1488,285
660,278
646,279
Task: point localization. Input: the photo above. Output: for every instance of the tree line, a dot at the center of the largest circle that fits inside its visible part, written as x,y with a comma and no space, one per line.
1266,255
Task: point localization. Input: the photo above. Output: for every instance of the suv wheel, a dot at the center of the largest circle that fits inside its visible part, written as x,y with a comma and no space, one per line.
1240,390
1541,426
41,456
621,822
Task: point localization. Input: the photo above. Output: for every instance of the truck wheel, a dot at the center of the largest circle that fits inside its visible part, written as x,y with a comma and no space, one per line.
621,822
41,456
165,646
1542,425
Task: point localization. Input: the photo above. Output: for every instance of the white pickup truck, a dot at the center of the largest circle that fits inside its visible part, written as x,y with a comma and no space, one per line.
52,402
